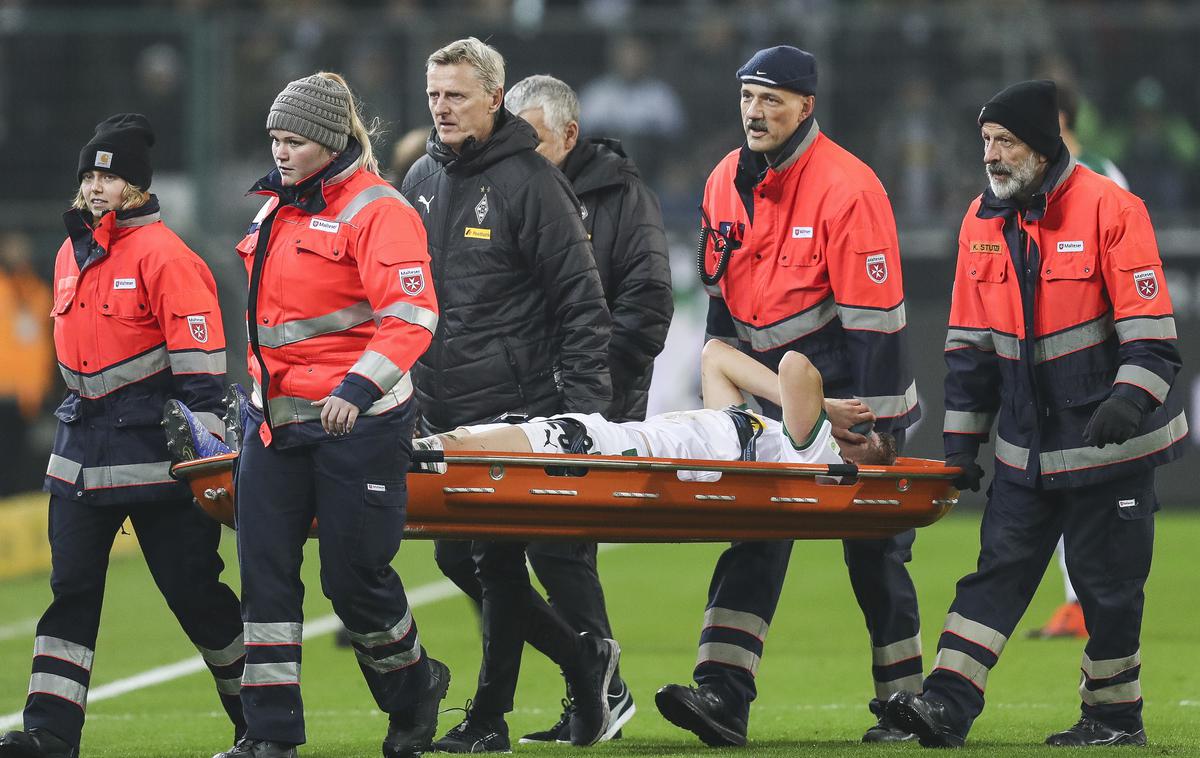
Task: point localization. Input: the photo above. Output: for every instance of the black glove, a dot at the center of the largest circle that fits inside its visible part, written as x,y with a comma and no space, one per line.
972,472
1115,420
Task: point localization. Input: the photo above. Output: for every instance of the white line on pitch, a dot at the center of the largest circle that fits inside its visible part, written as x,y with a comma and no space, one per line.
18,629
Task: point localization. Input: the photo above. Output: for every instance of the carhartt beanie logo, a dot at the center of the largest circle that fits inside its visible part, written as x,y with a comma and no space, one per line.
316,108
1030,111
782,66
121,146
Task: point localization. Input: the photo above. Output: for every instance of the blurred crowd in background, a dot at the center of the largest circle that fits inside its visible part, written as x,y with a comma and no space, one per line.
901,82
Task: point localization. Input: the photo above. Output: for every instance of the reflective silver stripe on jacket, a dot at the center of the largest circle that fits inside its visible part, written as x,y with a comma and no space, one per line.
378,368
273,633
963,665
1059,461
228,655
911,683
263,674
1108,668
59,686
904,650
730,655
1085,335
149,218
114,378
1007,346
392,662
63,468
888,321
197,362
305,328
788,331
975,632
741,621
290,410
1143,328
1129,692
1010,454
365,198
891,406
980,339
1144,378
397,632
127,475
969,422
64,650
413,314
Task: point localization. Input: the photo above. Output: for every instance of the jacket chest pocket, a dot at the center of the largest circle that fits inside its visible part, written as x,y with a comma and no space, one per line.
991,268
64,295
800,248
331,246
124,303
1068,266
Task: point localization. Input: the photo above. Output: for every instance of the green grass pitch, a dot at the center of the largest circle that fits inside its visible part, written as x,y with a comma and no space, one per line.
814,680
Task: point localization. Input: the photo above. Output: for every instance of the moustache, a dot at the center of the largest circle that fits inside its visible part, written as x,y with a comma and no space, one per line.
757,124
999,171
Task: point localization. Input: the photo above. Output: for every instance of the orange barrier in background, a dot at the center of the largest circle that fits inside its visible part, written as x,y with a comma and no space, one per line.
624,499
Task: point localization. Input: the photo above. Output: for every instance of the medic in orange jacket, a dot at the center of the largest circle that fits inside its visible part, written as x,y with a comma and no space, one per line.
815,267
138,325
1042,344
341,302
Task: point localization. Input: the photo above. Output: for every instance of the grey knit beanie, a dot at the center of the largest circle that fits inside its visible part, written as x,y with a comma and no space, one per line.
313,107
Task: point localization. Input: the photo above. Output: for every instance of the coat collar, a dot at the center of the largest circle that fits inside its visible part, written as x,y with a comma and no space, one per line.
309,195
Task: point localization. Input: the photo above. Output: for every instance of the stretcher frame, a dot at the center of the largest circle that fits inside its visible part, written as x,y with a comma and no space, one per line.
532,496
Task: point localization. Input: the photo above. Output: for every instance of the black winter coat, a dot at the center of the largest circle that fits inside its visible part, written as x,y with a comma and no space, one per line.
523,324
624,220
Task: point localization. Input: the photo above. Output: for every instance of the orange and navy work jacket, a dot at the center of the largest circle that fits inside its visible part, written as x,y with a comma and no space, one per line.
1056,306
136,323
815,268
341,301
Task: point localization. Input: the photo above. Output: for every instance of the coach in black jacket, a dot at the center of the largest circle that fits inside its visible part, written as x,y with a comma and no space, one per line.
624,221
523,328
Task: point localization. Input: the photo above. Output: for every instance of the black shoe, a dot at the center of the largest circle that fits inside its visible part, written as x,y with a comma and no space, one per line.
36,743
925,718
588,683
1089,732
248,748
476,734
560,732
701,710
884,730
411,733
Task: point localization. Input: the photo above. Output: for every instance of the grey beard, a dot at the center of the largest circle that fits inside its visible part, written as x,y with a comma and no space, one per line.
1019,182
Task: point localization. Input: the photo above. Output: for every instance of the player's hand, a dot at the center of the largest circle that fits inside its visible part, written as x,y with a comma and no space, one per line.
849,414
337,415
1115,420
972,472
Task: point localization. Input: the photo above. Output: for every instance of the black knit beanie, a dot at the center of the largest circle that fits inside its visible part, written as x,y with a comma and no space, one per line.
1030,111
782,66
120,146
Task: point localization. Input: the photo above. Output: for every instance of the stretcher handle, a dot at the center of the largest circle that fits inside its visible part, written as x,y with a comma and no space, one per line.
644,464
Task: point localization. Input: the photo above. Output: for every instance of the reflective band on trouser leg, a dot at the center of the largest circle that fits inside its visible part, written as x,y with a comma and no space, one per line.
392,649
964,665
975,632
730,655
226,666
64,650
1111,682
271,674
897,667
60,687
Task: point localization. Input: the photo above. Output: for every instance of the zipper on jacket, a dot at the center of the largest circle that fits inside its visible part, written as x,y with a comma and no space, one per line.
256,270
512,366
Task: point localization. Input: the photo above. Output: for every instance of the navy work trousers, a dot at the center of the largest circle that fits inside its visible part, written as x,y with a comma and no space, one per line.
744,593
355,486
1108,532
179,543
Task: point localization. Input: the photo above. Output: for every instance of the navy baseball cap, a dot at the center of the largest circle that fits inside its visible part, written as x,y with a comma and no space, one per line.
782,66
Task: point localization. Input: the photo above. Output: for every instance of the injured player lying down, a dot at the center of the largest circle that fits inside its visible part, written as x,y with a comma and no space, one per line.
722,431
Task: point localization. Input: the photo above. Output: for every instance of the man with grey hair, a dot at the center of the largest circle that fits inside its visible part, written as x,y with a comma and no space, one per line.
623,218
524,329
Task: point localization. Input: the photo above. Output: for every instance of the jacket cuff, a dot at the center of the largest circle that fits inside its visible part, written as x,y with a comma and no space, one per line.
957,444
1144,401
359,391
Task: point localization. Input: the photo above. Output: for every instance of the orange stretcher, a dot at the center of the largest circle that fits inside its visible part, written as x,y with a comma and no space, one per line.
530,496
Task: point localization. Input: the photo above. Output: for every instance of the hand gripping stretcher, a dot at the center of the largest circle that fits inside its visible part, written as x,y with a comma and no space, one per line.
531,496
